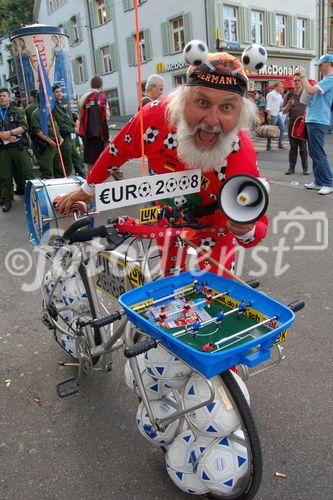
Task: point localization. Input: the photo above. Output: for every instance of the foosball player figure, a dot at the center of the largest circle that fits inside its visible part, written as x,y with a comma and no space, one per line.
208,347
241,308
162,315
186,307
209,298
198,286
195,327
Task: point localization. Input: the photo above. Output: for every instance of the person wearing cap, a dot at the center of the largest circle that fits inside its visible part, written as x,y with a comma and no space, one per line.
66,128
201,124
317,121
15,161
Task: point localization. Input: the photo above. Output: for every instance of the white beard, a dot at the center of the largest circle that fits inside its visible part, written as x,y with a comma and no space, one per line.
205,159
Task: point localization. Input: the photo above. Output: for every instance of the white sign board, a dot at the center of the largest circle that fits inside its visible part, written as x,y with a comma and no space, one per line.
117,194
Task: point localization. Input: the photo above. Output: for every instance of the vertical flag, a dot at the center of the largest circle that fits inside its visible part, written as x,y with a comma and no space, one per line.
46,96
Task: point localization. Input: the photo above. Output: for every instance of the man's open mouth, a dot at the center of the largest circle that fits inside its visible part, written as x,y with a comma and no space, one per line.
207,137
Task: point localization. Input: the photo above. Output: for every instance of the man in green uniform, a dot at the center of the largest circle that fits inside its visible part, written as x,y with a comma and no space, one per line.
66,128
47,147
14,158
34,103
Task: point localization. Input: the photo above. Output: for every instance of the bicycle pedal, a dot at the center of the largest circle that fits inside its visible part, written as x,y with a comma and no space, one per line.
68,387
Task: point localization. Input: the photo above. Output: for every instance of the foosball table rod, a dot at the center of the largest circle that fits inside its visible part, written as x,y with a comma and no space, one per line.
242,332
216,320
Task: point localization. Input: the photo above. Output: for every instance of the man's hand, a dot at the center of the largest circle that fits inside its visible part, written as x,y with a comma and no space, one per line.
52,144
237,228
67,201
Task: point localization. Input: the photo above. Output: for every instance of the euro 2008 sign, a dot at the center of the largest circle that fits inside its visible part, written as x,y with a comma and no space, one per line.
117,194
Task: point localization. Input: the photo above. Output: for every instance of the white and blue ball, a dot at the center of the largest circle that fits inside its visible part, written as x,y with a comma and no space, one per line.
74,295
181,465
217,419
195,52
160,409
254,57
155,389
162,364
222,466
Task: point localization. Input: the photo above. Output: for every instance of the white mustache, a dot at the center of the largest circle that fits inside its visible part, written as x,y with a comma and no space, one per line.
216,129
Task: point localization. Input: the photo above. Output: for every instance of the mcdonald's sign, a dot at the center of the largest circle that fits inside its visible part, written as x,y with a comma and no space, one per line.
160,67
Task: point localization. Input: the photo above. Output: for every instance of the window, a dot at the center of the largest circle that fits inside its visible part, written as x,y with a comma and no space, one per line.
53,5
101,12
257,19
230,24
75,30
106,59
113,99
179,79
4,80
146,53
301,23
281,30
142,44
129,4
177,34
80,70
1,58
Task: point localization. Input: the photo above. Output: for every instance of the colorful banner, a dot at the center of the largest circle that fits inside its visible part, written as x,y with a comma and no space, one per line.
53,47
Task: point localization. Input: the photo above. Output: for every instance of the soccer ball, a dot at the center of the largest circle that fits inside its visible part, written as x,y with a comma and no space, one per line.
155,389
180,462
162,364
171,185
150,134
222,466
195,52
49,283
160,409
217,419
113,150
144,189
207,242
171,141
67,343
254,57
74,295
184,182
179,201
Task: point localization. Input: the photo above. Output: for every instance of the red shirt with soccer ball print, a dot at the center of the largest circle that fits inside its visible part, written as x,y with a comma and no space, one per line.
160,144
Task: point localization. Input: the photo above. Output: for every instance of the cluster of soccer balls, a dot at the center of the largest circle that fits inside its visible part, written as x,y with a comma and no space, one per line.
203,454
253,58
70,299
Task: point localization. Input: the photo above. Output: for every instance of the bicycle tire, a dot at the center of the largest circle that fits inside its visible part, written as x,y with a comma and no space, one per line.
253,442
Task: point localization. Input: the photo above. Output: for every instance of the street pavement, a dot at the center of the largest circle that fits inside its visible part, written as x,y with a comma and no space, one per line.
87,446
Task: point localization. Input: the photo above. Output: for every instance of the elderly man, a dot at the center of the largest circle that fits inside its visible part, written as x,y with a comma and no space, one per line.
153,89
199,125
317,121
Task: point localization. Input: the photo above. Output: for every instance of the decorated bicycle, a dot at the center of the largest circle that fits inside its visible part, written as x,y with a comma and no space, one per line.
190,336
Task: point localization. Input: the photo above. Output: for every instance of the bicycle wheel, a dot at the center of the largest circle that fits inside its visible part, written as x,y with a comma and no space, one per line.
249,487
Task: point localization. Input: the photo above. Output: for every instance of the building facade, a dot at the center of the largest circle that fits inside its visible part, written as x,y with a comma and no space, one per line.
101,34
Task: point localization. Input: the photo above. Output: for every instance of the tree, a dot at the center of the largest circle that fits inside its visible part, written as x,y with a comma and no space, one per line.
14,14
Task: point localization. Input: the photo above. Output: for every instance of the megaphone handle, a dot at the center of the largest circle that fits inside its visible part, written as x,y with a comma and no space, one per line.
215,262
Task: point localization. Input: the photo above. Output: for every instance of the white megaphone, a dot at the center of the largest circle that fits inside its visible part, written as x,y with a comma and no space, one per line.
244,198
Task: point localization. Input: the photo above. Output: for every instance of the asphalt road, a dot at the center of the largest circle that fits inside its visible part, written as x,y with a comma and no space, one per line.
87,446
